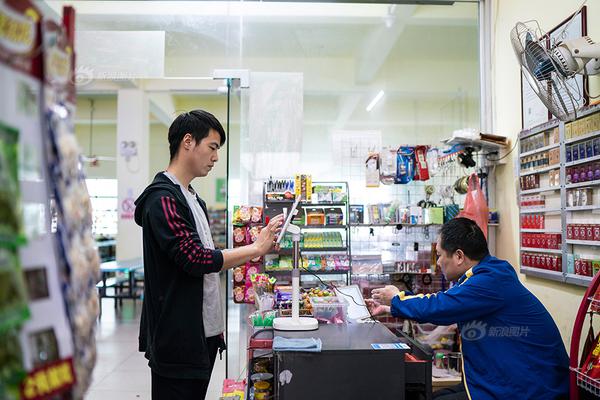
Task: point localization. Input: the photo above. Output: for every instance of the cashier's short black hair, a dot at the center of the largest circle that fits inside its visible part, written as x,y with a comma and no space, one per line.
464,234
197,123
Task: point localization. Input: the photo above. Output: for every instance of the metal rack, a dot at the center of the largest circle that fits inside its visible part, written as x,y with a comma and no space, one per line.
565,211
274,207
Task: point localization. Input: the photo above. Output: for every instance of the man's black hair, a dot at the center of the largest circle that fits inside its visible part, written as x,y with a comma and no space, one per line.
464,234
197,123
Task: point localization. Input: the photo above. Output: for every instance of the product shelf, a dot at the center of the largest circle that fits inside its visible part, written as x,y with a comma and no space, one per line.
582,184
590,135
540,210
310,272
584,242
322,226
539,129
582,161
541,231
585,382
542,272
536,250
393,224
583,208
306,203
541,190
541,149
578,279
540,170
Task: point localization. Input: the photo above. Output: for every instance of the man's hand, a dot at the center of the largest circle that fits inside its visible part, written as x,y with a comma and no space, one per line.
266,239
385,295
377,309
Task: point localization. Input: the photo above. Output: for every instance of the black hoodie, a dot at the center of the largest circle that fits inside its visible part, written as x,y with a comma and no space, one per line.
175,261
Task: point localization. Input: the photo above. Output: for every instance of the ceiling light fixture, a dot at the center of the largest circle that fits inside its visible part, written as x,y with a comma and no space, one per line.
375,100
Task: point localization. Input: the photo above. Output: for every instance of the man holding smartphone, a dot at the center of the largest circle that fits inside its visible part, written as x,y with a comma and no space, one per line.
182,324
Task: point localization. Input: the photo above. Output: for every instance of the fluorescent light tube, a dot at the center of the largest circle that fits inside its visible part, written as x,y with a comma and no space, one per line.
375,100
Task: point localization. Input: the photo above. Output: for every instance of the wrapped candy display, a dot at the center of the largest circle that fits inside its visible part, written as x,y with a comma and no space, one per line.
81,263
264,296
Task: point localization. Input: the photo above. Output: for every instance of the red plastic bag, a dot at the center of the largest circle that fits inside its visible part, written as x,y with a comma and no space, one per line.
476,207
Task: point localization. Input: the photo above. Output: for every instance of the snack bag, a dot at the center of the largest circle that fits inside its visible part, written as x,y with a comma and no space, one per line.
239,236
405,168
241,215
421,168
256,214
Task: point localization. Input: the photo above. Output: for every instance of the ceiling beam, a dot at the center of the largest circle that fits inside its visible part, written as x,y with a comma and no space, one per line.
347,106
379,43
162,107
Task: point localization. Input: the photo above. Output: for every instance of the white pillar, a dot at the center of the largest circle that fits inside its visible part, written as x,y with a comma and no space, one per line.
133,135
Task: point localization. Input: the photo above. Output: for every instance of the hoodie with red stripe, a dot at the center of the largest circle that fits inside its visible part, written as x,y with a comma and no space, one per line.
175,261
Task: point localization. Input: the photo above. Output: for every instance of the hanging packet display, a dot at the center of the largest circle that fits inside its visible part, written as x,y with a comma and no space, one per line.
372,170
421,167
387,168
405,168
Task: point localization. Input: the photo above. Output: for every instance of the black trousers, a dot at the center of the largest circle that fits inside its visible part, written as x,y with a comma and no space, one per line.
164,388
457,392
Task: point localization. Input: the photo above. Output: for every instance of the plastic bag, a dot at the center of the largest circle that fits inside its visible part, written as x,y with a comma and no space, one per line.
476,207
405,165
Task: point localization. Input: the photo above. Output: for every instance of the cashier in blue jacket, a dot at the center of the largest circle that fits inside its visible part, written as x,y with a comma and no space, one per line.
511,347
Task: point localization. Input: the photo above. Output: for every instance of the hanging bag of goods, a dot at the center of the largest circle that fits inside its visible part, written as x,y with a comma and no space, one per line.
476,207
421,167
405,165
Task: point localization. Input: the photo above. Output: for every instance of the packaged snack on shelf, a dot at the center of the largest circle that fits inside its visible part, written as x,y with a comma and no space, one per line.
357,214
233,390
239,293
256,215
248,292
240,235
251,269
253,233
303,187
239,274
334,216
315,216
242,215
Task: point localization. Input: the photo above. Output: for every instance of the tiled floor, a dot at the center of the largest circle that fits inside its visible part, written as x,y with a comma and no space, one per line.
122,372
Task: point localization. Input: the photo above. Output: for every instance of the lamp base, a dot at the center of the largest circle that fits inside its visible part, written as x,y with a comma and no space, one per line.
295,324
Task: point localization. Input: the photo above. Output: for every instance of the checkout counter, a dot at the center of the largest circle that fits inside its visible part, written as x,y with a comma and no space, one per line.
356,361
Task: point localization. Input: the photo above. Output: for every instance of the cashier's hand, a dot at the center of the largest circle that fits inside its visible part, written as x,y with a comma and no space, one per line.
268,235
377,309
385,295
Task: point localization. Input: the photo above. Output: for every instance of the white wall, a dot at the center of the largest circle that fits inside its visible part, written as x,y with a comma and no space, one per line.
105,136
561,300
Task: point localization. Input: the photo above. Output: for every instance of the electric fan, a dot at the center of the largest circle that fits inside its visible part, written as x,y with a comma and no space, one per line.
550,71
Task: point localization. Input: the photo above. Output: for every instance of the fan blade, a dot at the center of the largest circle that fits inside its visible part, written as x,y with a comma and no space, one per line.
538,61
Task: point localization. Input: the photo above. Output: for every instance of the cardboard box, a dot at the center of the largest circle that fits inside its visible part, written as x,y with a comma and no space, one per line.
554,156
554,136
568,130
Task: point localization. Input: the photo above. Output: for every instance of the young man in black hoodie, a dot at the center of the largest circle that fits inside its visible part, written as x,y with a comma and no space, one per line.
182,324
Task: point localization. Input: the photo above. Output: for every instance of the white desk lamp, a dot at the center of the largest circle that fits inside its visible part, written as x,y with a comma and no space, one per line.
295,322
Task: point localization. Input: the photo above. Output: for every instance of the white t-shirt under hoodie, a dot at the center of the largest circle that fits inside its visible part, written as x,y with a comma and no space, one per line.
211,306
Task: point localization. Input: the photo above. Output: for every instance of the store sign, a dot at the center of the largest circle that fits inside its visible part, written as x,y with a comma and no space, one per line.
49,380
17,31
58,65
128,205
